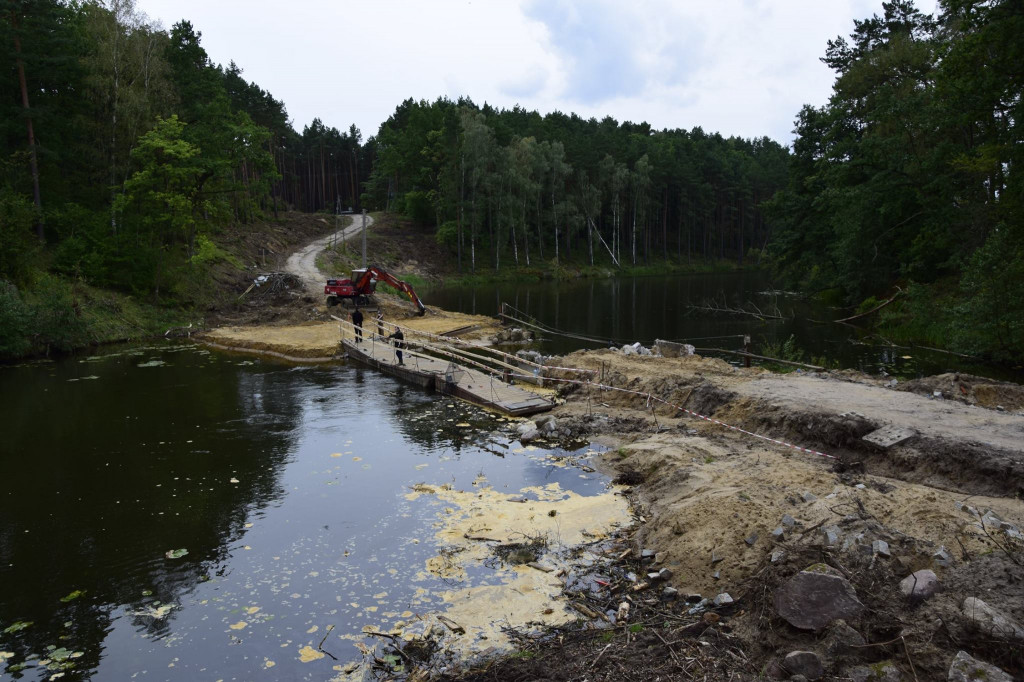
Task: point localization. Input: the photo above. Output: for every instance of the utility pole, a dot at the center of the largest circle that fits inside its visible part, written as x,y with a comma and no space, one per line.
364,238
337,221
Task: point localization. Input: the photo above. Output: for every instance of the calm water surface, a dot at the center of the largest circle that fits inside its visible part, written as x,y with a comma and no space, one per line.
285,485
622,310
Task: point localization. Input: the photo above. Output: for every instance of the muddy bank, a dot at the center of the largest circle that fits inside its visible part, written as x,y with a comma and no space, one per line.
872,563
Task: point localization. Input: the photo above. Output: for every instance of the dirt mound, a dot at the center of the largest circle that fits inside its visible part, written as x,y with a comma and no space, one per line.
969,389
726,511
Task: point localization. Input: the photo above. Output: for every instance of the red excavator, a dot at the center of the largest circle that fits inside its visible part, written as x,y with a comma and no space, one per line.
363,284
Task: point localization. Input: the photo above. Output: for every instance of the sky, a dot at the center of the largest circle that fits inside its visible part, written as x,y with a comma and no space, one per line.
738,67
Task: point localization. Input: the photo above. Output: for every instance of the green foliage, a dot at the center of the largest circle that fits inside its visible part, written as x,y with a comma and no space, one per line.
418,208
44,318
448,234
909,173
18,247
867,304
990,312
15,323
522,188
207,253
56,325
784,350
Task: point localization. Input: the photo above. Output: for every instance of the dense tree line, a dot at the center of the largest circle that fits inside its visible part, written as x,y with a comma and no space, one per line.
910,174
125,148
514,186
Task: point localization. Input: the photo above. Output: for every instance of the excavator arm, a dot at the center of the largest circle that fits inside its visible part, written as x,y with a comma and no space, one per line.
382,275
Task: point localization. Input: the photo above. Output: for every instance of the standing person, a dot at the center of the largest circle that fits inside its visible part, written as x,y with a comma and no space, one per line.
380,323
399,338
357,322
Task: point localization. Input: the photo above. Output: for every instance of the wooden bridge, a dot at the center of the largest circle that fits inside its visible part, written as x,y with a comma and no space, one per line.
477,374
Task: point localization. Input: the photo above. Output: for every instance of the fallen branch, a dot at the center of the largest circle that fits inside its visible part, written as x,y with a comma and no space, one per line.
608,646
756,312
452,625
873,310
759,357
320,646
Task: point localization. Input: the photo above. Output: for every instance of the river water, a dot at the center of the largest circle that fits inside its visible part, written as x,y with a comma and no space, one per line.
171,513
620,310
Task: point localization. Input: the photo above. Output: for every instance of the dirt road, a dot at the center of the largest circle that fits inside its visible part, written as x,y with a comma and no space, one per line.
938,418
302,263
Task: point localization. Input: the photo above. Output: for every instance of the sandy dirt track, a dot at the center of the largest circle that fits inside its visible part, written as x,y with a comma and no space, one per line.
927,416
302,263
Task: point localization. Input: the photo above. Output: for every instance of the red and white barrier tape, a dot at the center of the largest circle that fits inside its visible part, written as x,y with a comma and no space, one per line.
651,397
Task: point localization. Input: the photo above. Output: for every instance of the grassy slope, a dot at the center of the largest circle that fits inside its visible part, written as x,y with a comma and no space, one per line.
69,314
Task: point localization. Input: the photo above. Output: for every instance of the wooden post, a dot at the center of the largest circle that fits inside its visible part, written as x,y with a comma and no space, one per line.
364,238
746,349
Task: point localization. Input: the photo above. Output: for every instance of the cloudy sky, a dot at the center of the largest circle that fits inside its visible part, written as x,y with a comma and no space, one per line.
739,67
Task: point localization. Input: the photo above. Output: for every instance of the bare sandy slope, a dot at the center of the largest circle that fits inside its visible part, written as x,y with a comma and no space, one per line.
714,503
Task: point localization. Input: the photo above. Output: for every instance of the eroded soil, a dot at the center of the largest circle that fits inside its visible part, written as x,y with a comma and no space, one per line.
729,513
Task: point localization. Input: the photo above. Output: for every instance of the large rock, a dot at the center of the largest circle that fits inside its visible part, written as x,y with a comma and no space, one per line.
842,639
991,620
815,597
804,663
920,585
525,426
967,669
544,420
529,436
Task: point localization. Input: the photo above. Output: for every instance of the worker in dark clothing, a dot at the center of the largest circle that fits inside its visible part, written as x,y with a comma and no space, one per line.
399,338
357,322
380,323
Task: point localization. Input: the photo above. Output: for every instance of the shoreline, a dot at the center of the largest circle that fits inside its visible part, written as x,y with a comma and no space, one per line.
733,521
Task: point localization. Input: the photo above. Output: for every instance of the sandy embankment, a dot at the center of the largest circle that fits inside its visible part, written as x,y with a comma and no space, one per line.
730,512
320,341
711,488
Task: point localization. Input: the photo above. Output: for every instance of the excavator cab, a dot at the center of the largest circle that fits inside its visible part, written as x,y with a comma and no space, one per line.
370,288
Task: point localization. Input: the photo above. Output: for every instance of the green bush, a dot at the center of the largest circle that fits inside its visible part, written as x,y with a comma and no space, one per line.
417,207
15,322
448,234
45,318
56,324
19,248
990,317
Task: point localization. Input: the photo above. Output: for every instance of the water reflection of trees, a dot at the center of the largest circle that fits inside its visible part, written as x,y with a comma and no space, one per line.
103,477
422,415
